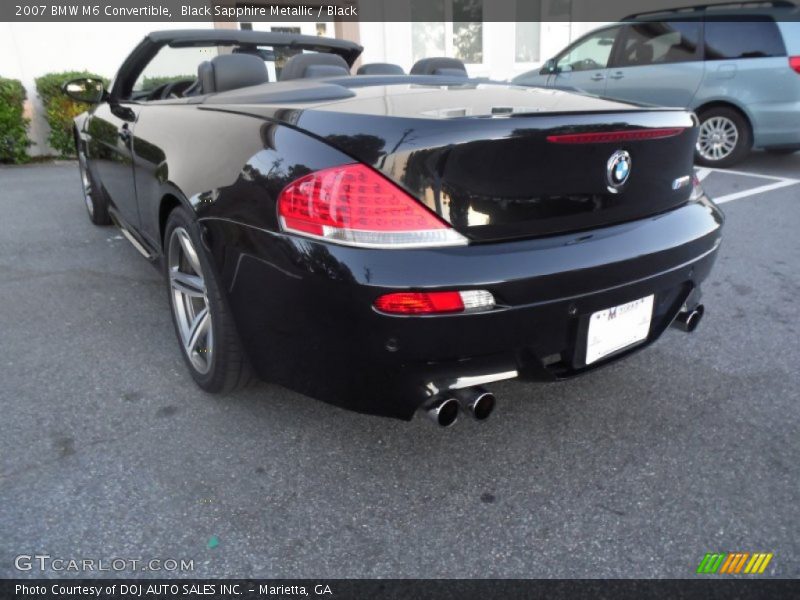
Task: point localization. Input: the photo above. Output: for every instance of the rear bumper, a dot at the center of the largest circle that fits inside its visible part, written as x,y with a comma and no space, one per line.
304,308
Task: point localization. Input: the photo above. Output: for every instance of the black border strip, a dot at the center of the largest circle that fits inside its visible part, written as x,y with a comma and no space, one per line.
363,10
707,588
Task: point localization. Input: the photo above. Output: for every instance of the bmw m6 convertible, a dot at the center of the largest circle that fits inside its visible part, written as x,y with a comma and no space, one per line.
392,242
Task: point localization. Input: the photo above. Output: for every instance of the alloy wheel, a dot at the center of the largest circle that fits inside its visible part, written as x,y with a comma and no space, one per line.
189,298
718,138
86,182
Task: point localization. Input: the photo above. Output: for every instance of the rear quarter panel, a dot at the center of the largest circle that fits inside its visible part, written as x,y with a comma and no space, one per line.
220,164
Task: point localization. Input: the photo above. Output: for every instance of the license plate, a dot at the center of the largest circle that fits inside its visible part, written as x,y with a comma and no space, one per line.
618,327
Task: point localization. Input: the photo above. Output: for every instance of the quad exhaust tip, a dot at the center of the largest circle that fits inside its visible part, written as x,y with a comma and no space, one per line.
476,402
443,412
688,320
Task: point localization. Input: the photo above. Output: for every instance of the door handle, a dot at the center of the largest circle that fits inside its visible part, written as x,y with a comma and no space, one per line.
618,75
598,77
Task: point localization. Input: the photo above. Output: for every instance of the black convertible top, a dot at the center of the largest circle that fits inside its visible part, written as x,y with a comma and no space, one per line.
350,51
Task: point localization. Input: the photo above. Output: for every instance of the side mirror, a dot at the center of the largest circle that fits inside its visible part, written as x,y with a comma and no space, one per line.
85,89
549,67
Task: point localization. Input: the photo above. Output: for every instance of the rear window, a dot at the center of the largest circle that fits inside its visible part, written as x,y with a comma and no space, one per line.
727,40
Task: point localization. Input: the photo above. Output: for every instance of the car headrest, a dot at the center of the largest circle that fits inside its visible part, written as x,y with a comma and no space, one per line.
380,69
312,65
231,71
439,65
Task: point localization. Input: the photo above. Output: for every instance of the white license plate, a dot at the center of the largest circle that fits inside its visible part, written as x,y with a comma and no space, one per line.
616,328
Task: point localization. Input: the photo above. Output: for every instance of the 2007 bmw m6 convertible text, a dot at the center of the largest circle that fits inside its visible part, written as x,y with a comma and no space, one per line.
392,242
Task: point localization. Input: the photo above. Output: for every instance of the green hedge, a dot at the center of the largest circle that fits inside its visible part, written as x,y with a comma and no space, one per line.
13,126
60,109
151,83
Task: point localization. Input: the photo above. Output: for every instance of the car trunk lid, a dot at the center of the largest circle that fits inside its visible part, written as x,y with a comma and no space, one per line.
502,162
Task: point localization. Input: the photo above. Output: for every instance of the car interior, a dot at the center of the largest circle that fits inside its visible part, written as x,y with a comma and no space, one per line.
247,66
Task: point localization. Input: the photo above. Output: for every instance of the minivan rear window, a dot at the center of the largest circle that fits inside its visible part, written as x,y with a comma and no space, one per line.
727,40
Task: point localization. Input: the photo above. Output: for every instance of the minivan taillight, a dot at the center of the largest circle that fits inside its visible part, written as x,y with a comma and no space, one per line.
354,205
794,62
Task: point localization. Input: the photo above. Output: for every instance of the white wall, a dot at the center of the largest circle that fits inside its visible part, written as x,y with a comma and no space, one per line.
28,50
391,42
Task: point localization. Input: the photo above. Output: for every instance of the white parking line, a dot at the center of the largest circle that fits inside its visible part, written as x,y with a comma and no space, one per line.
757,190
778,182
749,174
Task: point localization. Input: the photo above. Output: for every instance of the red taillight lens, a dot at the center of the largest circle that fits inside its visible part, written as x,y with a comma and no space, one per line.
352,204
600,137
429,303
794,62
416,303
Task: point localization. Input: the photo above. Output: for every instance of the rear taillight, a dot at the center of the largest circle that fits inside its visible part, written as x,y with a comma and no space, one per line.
354,205
431,303
794,62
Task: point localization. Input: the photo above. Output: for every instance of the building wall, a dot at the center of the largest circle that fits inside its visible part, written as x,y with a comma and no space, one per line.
392,42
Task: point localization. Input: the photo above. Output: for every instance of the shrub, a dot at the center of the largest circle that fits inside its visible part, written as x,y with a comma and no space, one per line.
151,83
13,126
60,109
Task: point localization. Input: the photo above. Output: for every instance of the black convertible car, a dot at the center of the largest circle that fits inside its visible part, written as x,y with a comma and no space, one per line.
391,242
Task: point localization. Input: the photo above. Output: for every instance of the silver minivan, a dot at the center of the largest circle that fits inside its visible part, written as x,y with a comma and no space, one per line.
739,71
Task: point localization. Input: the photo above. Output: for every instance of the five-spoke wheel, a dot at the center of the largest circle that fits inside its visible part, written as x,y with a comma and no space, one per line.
203,323
93,198
190,301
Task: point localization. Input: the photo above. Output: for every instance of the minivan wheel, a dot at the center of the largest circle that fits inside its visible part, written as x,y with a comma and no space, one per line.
724,138
208,339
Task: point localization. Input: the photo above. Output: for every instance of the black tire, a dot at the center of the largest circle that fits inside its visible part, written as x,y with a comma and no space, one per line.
227,366
742,144
94,198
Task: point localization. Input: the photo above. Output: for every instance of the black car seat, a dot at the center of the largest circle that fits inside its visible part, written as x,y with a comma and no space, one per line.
228,72
380,69
439,65
313,65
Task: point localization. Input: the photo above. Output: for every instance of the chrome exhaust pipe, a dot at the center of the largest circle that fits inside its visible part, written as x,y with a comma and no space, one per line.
476,401
688,320
443,412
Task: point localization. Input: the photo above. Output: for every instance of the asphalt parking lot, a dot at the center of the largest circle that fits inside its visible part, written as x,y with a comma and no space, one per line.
107,449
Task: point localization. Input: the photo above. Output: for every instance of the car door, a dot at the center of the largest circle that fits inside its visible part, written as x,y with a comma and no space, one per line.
110,136
162,89
582,66
657,63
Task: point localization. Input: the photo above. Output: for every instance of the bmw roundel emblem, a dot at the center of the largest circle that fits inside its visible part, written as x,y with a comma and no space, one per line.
618,169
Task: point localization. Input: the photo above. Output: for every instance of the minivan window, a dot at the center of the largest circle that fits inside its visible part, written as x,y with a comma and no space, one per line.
590,53
727,40
659,43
